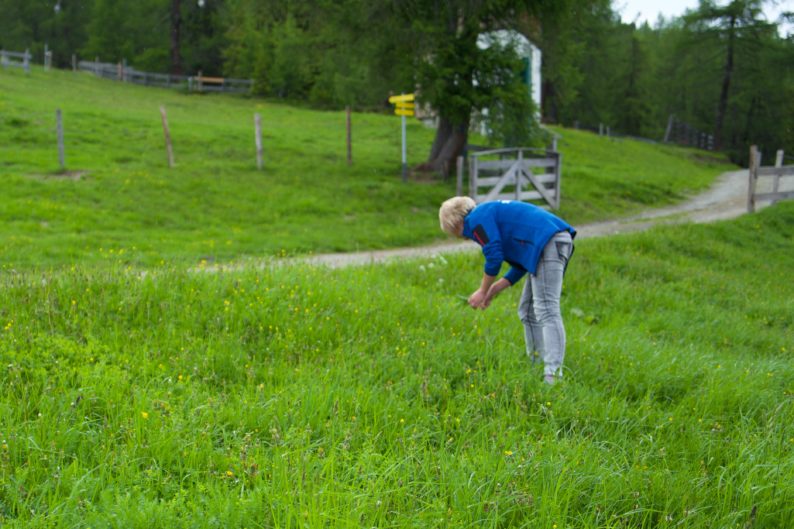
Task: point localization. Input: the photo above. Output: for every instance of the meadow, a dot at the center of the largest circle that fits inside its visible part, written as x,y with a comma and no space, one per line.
372,397
142,388
119,197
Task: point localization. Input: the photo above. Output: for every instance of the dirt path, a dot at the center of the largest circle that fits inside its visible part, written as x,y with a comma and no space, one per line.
726,199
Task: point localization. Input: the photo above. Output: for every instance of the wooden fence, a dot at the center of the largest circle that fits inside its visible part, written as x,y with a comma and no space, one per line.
15,59
687,135
202,83
777,189
120,72
199,83
515,174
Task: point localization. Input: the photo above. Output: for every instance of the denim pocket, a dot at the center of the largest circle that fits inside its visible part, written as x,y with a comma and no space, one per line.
563,250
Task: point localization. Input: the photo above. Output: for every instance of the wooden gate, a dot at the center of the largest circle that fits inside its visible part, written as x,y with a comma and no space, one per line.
13,58
774,190
515,174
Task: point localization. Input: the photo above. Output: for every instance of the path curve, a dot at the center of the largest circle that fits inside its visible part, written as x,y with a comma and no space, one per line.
725,199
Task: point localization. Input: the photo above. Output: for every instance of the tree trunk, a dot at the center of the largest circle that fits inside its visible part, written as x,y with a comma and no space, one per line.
443,133
722,106
550,111
449,143
176,26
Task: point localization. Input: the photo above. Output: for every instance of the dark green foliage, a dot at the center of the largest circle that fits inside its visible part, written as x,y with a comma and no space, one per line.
723,69
32,24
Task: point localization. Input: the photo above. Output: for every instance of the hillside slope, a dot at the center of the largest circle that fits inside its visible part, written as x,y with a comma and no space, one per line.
119,198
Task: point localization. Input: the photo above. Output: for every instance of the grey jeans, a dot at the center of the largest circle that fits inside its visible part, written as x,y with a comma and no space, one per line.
539,308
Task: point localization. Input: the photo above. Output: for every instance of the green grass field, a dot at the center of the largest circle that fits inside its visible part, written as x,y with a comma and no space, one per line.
294,397
142,391
120,197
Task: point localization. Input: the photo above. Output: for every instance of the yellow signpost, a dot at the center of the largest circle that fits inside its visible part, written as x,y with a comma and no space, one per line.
404,98
403,106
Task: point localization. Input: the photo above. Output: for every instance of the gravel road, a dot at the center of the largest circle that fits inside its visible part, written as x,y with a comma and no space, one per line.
726,199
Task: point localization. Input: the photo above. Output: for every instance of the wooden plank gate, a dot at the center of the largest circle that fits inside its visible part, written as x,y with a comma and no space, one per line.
515,174
777,190
16,59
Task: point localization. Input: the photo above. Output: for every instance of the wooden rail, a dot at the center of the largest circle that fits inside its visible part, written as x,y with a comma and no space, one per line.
200,83
15,59
777,172
203,83
516,174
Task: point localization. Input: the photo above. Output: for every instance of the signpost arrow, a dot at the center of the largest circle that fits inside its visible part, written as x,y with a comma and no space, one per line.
404,106
401,98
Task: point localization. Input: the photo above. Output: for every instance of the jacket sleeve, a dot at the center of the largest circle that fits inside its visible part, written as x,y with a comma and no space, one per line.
486,234
515,274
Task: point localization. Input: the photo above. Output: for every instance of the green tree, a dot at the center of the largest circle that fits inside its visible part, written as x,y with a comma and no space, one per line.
331,53
34,24
132,30
562,77
736,28
455,76
203,38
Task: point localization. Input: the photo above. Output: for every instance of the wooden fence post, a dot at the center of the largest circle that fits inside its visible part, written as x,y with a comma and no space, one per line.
59,131
26,61
459,181
669,128
349,126
518,174
74,62
776,178
167,133
473,177
258,132
755,162
558,179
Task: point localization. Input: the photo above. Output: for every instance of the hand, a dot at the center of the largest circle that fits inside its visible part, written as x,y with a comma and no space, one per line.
476,299
495,289
486,302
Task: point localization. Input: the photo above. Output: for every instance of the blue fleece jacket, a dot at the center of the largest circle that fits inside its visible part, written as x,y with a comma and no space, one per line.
512,231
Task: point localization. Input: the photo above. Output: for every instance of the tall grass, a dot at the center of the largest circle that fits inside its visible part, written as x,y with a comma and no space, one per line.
372,397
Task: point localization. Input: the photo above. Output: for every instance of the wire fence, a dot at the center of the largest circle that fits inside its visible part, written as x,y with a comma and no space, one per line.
122,72
195,83
678,132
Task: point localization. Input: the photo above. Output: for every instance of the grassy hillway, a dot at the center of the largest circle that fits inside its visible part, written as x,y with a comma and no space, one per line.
727,199
120,198
138,393
372,397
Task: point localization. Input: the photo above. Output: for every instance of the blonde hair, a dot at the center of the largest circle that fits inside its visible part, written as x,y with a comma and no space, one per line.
452,212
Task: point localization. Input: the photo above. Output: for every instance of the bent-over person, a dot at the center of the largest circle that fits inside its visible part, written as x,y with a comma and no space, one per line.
531,240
